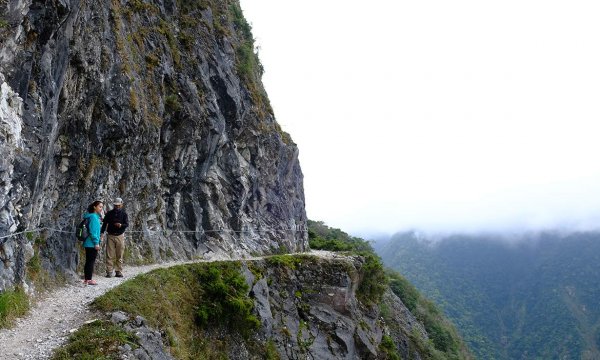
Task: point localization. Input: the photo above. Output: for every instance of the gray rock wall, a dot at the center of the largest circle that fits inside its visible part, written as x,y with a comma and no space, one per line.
310,311
156,102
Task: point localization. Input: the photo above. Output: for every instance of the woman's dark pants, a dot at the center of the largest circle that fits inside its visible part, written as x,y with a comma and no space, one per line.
90,259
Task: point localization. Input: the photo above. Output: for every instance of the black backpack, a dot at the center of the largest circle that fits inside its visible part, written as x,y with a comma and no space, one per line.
82,231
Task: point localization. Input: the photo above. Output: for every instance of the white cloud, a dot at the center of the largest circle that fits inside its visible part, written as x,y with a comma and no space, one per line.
437,114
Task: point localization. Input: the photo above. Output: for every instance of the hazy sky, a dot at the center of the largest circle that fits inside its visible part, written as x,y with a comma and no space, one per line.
438,115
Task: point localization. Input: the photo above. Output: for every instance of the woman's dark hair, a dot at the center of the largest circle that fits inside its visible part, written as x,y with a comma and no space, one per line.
93,205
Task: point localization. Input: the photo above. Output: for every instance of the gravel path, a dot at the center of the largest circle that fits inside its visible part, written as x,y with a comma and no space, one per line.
53,318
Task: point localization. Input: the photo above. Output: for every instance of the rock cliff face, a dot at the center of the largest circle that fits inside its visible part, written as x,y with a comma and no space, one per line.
305,307
155,101
311,310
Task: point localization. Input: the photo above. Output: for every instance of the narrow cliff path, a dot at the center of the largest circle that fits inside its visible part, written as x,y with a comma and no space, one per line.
52,319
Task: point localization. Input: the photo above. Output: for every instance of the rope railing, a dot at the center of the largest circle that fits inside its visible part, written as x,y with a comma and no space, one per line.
166,231
19,233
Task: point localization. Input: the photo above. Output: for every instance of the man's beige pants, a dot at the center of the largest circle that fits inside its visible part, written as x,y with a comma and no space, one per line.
115,247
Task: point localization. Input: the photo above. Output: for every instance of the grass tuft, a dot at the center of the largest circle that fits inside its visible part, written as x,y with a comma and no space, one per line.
13,304
97,340
388,349
286,261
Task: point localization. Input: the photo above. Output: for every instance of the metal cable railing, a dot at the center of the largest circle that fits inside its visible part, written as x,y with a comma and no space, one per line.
167,231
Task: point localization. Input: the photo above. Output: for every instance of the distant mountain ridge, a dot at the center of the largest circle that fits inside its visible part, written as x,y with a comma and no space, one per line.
532,298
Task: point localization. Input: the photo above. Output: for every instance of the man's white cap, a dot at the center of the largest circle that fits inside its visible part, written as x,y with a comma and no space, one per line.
118,201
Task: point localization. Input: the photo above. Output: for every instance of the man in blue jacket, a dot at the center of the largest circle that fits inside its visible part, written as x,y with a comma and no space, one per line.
115,222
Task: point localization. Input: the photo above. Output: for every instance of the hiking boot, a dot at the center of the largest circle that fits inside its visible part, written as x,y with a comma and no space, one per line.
118,274
108,275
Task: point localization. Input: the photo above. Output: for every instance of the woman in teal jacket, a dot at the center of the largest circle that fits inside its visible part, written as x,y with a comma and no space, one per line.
92,243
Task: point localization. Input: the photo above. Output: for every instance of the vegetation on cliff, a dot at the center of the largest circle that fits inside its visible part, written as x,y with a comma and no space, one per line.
185,301
445,343
306,306
181,32
442,333
97,340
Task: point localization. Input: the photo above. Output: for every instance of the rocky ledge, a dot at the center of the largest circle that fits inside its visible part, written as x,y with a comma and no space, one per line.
282,307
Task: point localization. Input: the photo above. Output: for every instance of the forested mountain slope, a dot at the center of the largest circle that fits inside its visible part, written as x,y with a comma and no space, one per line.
511,297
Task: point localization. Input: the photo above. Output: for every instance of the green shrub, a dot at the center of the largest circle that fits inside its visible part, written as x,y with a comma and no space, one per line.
373,281
247,62
34,267
318,243
322,237
172,103
225,299
240,22
424,347
13,304
97,340
388,349
271,351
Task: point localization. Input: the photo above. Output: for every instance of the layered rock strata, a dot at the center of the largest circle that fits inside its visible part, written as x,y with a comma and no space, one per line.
158,102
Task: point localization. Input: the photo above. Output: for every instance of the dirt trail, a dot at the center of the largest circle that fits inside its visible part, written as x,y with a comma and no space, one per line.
53,318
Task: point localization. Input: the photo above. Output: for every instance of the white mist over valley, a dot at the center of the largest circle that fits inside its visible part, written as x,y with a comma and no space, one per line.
437,116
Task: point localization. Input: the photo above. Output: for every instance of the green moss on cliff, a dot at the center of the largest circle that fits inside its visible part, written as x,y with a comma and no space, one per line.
172,103
186,300
146,36
271,351
248,63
